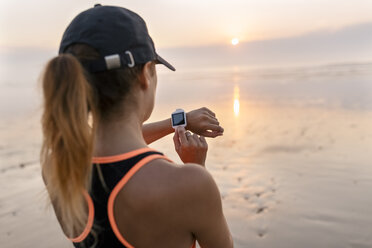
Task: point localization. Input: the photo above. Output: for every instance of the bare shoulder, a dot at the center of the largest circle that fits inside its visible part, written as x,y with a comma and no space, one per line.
177,199
174,186
201,193
197,181
187,179
188,188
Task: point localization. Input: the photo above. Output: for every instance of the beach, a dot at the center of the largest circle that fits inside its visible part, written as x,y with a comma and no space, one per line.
294,165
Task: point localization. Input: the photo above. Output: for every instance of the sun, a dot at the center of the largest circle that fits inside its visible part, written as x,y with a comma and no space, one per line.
235,41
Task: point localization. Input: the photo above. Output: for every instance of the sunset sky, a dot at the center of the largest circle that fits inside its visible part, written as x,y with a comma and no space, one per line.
40,23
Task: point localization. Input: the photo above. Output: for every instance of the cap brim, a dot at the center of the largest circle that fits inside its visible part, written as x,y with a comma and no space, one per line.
160,60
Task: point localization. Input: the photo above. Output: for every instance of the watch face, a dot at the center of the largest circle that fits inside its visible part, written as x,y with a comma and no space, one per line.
178,119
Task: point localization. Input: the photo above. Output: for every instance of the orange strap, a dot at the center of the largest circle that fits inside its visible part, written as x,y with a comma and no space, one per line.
124,156
117,189
90,221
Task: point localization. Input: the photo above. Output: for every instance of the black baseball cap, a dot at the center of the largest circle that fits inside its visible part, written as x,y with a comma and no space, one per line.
118,34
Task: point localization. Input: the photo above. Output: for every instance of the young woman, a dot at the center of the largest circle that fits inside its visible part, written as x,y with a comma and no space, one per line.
107,187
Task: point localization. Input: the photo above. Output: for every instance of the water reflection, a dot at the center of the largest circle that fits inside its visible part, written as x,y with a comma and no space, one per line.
236,100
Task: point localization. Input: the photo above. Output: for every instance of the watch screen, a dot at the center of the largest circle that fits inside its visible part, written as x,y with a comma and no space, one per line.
178,119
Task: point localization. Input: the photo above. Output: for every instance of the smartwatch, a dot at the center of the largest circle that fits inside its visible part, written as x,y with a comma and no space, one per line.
179,118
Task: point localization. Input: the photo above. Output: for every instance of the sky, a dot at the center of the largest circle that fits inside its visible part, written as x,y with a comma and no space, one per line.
171,23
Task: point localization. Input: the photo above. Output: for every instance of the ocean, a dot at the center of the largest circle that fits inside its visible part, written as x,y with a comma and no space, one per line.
294,165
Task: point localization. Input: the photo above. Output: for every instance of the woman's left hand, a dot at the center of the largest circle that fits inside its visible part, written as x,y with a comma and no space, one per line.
203,122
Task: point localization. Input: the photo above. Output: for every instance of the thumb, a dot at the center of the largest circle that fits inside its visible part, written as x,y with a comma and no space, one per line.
181,131
176,140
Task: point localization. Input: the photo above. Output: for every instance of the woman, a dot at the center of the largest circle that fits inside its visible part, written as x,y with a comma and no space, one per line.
97,94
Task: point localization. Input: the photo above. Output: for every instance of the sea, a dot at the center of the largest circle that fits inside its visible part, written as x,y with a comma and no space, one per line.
294,166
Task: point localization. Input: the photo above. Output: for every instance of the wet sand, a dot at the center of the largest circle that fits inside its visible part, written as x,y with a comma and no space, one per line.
294,166
305,181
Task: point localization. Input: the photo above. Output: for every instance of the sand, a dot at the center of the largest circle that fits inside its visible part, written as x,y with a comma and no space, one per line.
294,166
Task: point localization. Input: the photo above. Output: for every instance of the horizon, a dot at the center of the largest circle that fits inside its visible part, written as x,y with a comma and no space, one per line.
323,31
346,41
170,25
351,44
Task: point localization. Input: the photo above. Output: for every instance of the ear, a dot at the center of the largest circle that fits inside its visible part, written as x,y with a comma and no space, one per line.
146,75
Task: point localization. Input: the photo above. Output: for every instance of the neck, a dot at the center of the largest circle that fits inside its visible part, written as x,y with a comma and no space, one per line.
118,136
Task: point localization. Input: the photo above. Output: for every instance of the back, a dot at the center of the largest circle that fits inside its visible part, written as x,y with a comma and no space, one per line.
127,204
169,205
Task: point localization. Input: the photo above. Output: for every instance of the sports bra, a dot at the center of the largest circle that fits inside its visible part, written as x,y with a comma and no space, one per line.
109,176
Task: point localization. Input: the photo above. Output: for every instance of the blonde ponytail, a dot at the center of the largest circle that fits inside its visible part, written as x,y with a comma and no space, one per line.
68,140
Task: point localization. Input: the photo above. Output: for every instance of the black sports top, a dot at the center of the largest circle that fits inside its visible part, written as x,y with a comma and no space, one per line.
109,176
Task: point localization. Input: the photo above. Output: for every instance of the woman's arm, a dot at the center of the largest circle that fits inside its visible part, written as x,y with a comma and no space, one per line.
200,201
201,121
156,130
203,209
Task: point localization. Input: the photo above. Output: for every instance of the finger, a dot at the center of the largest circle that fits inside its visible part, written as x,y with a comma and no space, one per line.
193,140
213,120
209,111
210,134
211,116
203,141
215,128
182,135
188,134
195,137
176,141
215,134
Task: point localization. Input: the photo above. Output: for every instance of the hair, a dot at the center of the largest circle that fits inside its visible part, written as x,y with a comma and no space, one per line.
73,97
